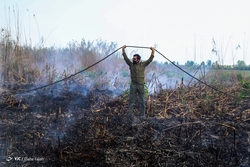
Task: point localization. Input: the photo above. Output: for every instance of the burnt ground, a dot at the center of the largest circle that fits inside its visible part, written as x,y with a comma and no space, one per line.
184,127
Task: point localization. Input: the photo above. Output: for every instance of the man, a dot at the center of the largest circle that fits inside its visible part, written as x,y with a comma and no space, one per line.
137,69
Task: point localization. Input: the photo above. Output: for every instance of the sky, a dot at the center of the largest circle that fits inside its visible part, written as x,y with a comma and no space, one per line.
181,30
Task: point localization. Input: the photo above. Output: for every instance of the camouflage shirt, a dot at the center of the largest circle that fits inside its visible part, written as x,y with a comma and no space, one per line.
137,70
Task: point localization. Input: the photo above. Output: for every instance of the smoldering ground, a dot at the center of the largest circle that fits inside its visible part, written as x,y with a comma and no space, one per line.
83,120
93,129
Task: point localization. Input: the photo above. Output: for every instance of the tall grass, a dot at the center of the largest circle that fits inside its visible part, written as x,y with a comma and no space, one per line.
24,64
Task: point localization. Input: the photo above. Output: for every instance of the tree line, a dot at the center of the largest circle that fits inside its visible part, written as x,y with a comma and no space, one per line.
240,65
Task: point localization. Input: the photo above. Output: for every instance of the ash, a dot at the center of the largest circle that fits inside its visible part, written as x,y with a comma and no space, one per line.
93,129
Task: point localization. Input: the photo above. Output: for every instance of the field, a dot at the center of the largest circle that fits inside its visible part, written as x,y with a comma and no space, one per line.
68,107
83,120
242,73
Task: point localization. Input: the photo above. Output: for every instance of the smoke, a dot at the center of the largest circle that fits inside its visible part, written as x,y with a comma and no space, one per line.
58,106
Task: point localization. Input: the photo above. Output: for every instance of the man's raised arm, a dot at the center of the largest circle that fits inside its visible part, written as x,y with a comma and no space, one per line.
147,62
125,56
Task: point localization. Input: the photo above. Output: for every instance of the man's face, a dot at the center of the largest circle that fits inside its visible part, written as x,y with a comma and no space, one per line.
135,60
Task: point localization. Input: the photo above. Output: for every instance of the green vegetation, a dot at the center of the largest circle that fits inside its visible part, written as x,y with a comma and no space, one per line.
241,65
245,90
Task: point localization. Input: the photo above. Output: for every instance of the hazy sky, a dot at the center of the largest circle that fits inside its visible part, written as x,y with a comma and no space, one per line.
181,29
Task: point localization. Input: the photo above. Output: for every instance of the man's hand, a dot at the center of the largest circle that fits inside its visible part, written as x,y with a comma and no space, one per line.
123,48
153,51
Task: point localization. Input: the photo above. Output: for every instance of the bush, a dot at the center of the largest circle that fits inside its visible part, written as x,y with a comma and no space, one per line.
245,90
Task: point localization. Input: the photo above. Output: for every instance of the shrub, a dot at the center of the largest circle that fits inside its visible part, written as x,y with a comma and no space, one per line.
245,90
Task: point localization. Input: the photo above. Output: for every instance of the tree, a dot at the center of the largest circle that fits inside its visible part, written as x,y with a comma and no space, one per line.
189,63
216,65
241,64
209,63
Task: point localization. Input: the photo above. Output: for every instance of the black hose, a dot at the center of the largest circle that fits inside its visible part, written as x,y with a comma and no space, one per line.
41,87
21,92
212,87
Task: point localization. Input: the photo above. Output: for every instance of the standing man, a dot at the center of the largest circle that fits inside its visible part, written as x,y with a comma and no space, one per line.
137,69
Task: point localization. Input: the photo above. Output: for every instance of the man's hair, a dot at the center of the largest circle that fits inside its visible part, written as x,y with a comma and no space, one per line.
138,56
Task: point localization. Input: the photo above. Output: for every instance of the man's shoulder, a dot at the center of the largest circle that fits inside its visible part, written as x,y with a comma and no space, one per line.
142,63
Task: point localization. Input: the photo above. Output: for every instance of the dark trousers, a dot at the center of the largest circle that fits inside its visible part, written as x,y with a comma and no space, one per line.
137,89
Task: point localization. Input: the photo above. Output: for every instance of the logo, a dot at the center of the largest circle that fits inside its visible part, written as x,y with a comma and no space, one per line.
8,159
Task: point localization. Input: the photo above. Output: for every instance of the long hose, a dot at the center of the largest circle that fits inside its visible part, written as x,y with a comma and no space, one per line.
143,47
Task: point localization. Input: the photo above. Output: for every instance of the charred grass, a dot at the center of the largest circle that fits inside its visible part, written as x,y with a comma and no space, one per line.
81,123
186,126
